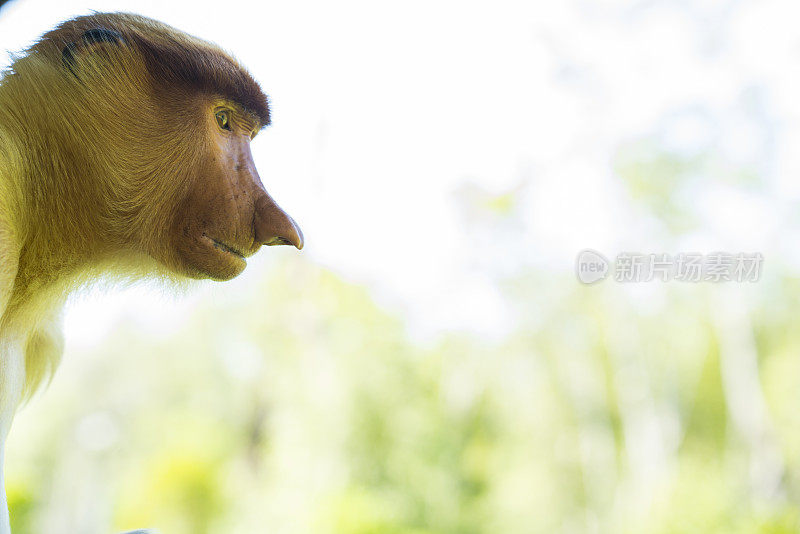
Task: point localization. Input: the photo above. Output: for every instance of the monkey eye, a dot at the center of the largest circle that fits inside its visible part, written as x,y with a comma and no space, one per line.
223,120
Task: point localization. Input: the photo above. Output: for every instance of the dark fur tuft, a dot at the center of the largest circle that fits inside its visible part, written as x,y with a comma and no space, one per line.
101,35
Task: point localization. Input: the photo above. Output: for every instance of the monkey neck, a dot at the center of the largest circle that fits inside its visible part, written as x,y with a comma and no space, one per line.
69,230
61,219
11,200
58,219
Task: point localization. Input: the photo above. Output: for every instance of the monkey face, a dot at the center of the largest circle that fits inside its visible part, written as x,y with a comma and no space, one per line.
227,214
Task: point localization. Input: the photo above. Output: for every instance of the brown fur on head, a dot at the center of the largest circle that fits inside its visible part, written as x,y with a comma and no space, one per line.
117,119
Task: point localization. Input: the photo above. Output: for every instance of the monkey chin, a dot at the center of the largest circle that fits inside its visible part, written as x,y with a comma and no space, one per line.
212,259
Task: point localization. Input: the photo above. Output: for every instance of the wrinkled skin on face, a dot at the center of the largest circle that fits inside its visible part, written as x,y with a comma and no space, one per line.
228,215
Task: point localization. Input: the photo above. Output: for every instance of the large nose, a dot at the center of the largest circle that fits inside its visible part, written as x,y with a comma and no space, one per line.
273,226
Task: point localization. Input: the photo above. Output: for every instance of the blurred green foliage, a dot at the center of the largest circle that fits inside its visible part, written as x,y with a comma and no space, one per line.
304,406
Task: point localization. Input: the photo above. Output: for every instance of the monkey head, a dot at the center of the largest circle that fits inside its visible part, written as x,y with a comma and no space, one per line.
164,166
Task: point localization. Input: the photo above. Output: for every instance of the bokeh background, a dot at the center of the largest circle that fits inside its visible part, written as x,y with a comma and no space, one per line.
429,363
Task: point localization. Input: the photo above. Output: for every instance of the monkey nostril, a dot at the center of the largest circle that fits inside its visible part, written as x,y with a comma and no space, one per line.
278,241
293,237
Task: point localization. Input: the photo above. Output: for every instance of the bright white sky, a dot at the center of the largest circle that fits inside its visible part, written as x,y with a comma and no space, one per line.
383,110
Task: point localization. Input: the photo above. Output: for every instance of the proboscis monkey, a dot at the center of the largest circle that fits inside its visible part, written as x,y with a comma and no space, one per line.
124,153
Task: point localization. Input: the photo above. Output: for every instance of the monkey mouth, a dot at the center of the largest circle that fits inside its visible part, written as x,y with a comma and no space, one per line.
214,259
224,247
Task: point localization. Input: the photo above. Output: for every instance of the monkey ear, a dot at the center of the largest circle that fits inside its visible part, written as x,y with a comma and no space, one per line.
91,41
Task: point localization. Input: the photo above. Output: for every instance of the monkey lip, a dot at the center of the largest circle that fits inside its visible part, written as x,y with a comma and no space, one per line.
225,248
